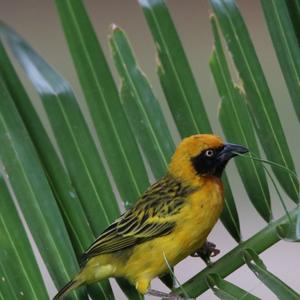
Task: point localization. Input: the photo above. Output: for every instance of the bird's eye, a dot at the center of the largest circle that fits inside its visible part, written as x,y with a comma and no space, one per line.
209,153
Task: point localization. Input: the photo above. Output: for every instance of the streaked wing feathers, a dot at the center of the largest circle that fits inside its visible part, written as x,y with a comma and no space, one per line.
150,217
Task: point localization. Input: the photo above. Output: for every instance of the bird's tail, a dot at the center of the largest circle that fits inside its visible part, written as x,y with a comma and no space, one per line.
73,284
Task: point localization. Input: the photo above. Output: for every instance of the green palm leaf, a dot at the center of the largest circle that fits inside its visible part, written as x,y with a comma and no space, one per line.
75,219
67,169
227,291
286,46
259,98
182,92
19,272
281,290
294,12
71,131
112,127
173,68
141,106
237,126
33,192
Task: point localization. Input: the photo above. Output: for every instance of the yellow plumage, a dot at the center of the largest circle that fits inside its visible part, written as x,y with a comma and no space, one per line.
169,222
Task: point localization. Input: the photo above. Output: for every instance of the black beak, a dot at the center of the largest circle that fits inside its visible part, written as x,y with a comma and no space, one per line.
231,150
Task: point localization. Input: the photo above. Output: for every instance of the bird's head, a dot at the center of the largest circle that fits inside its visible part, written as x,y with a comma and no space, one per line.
202,155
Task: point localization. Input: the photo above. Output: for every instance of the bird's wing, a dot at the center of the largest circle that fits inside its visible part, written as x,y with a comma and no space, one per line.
150,217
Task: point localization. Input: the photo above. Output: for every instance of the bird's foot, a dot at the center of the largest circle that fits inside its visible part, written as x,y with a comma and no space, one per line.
171,296
207,251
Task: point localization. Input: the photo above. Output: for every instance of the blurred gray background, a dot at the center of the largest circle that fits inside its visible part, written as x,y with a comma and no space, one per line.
38,23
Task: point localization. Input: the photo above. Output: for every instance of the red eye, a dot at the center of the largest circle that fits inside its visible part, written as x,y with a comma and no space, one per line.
209,153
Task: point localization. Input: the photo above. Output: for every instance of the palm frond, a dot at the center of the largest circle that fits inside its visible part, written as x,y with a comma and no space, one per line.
67,186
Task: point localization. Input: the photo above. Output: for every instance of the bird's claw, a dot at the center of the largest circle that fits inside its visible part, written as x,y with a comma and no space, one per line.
207,251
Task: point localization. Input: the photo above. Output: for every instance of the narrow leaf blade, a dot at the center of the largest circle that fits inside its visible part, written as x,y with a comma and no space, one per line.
141,106
72,134
229,216
75,142
6,288
75,219
31,188
226,290
112,127
259,98
294,11
174,71
278,287
16,257
181,91
237,126
286,46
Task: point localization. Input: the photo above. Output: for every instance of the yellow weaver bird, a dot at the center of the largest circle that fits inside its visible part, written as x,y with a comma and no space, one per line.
170,221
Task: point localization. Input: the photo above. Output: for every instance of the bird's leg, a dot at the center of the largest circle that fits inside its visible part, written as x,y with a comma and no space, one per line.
207,251
157,293
170,296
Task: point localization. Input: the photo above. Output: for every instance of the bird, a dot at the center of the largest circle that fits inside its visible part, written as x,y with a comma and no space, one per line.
169,222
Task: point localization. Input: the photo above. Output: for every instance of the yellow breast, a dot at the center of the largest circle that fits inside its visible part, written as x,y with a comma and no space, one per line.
200,215
193,224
